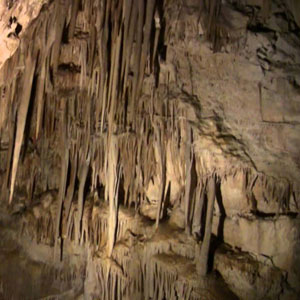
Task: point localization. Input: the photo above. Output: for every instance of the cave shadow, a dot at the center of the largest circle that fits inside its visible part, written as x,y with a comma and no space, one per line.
217,240
203,218
219,199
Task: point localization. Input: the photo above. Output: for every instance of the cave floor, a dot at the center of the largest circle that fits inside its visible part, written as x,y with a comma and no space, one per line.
25,275
20,276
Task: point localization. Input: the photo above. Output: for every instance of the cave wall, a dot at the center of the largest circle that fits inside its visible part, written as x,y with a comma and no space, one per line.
140,104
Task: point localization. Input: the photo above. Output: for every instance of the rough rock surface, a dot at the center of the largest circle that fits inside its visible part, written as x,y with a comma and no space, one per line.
15,17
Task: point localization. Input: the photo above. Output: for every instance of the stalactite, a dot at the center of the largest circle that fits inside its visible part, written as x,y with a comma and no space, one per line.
213,10
74,12
138,52
71,187
189,162
159,144
64,173
113,191
83,70
129,44
156,38
5,183
42,78
197,218
60,11
146,41
127,10
40,100
82,180
21,117
202,260
72,229
91,51
85,225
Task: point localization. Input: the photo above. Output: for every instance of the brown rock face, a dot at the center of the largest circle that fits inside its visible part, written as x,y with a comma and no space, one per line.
146,144
15,17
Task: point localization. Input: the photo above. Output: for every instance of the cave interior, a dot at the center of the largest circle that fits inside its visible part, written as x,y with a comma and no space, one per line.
149,149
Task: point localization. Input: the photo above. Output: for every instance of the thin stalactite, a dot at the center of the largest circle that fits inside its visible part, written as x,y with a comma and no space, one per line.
21,117
202,259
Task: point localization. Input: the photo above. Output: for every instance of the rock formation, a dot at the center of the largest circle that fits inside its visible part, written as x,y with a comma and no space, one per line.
150,149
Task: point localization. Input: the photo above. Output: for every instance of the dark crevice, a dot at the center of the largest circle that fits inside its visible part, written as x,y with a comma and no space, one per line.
265,215
69,68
